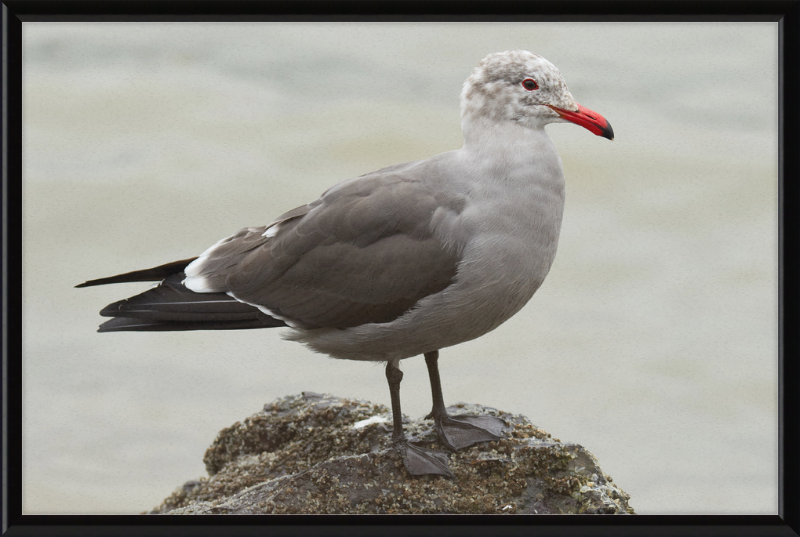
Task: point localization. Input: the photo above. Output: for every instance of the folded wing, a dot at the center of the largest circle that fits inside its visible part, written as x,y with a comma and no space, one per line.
363,253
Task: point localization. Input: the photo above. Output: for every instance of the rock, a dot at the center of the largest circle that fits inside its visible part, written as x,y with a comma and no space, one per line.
314,453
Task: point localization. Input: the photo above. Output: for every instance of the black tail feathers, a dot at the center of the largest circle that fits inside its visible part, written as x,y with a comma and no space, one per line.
148,275
171,306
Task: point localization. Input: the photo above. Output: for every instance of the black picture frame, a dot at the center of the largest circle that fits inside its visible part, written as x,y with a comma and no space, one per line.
15,12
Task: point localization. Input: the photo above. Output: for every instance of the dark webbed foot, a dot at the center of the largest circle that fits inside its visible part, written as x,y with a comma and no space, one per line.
458,432
417,461
420,461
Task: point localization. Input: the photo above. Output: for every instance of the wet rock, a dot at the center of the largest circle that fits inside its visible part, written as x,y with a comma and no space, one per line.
315,453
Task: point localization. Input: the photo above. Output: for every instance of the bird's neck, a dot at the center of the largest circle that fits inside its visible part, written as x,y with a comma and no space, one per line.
507,145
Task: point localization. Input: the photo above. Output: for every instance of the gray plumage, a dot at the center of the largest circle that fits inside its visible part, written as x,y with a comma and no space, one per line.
403,261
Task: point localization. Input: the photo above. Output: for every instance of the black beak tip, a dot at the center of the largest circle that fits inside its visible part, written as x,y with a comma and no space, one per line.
608,132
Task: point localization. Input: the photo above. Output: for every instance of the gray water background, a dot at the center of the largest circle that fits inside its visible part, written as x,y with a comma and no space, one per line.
653,342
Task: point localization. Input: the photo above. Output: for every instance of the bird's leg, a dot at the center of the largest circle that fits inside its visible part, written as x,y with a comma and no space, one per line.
417,461
457,432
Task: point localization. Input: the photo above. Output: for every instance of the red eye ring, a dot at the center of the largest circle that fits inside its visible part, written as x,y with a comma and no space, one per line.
530,84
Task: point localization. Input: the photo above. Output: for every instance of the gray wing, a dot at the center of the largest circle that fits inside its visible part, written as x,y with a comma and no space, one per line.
363,253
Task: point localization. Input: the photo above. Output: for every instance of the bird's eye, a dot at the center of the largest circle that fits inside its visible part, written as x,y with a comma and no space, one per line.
530,84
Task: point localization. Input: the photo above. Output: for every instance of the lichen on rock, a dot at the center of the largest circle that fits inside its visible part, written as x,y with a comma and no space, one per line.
315,454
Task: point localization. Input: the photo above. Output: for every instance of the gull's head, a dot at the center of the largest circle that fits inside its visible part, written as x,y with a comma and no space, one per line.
523,87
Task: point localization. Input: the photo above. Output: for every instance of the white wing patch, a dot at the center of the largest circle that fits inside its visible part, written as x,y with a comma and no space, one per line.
271,230
194,281
198,284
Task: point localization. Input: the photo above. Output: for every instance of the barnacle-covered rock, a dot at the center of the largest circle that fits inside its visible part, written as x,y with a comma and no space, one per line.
314,453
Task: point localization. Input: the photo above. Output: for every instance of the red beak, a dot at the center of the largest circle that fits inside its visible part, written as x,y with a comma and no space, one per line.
588,120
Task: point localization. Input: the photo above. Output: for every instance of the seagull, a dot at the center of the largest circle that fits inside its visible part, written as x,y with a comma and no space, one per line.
400,262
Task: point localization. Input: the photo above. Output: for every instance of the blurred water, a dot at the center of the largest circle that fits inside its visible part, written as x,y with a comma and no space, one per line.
653,342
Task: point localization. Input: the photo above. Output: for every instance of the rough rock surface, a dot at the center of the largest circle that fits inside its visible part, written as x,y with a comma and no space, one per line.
314,453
